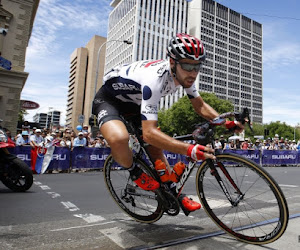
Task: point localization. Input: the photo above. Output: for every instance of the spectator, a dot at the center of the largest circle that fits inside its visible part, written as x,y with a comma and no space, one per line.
218,144
223,141
56,139
257,145
100,142
26,126
88,139
79,141
230,145
245,144
238,144
85,128
23,140
293,145
36,140
264,145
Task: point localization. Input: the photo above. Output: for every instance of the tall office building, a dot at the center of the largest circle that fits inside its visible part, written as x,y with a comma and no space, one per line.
83,64
52,118
233,69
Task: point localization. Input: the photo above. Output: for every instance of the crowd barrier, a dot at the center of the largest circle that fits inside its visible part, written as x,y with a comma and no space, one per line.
94,158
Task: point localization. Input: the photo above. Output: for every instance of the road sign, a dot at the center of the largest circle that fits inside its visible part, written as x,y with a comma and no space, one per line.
81,118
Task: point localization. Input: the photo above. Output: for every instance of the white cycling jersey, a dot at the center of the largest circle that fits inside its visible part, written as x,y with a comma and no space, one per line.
143,83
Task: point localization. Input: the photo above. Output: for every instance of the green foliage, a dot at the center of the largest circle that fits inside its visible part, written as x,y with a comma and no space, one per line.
283,130
21,115
181,117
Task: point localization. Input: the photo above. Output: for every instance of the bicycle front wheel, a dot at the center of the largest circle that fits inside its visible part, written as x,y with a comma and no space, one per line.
141,205
258,214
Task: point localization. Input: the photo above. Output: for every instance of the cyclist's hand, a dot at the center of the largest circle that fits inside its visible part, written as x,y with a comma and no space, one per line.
198,152
238,127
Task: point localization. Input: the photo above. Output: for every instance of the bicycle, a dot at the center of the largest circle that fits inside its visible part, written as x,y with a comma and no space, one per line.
236,193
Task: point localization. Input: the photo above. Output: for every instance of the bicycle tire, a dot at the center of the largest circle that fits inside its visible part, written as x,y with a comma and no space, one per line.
261,217
141,205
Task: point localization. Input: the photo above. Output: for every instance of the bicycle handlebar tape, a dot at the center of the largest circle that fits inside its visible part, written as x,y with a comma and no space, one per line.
195,152
162,171
177,171
230,124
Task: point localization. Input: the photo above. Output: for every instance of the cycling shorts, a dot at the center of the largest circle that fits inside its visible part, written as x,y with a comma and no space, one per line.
107,108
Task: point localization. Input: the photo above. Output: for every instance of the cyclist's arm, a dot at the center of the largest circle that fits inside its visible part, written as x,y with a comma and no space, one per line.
157,138
203,109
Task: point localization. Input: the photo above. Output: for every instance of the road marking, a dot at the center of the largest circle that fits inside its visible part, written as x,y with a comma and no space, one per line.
90,225
291,186
69,205
45,187
90,218
122,238
37,183
53,194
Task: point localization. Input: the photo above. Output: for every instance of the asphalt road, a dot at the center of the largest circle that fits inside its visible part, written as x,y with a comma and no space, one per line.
64,211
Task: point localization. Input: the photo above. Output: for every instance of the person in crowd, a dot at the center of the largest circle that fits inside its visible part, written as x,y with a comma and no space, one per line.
36,140
257,145
85,128
293,145
223,141
238,144
218,144
245,144
26,126
230,145
79,141
23,140
99,142
88,139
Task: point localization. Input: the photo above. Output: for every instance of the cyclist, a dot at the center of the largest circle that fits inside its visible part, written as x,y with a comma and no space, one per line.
137,88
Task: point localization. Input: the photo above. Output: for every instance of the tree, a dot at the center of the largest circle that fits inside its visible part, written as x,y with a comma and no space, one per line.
21,115
282,129
181,117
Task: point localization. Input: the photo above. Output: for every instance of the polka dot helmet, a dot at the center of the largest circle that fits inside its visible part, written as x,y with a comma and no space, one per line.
186,46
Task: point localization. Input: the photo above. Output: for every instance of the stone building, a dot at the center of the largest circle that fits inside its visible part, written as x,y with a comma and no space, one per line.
16,22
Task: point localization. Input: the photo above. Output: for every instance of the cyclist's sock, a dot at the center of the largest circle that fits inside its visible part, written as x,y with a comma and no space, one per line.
143,180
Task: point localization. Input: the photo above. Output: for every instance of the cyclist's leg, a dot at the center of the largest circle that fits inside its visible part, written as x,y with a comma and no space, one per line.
157,154
187,204
116,135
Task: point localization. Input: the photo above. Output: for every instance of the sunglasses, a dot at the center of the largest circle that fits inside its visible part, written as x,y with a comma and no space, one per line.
190,67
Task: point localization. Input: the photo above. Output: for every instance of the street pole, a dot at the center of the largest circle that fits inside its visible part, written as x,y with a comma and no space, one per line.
94,128
98,59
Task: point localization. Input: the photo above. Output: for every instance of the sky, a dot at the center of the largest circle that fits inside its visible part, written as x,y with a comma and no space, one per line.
61,26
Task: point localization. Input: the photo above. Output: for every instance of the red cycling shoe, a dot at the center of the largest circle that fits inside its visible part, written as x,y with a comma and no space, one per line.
145,182
187,204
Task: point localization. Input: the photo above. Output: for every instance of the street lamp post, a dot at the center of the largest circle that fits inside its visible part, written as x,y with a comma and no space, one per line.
93,123
98,58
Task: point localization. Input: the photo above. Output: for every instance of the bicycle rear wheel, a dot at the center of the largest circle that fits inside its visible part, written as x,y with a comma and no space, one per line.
261,214
141,205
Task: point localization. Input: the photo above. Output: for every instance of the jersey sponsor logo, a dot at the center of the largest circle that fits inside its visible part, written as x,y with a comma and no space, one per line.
124,86
151,107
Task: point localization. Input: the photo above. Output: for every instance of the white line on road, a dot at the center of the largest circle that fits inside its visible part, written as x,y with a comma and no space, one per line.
90,225
285,185
90,218
45,187
69,205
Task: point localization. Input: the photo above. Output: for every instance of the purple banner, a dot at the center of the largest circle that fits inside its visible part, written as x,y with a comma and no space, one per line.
253,155
89,157
83,157
280,157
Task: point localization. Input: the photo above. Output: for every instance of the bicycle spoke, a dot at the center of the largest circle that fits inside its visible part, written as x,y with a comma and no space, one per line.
250,217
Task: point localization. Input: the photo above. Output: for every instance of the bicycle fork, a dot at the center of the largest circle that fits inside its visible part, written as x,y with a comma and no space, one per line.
215,173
